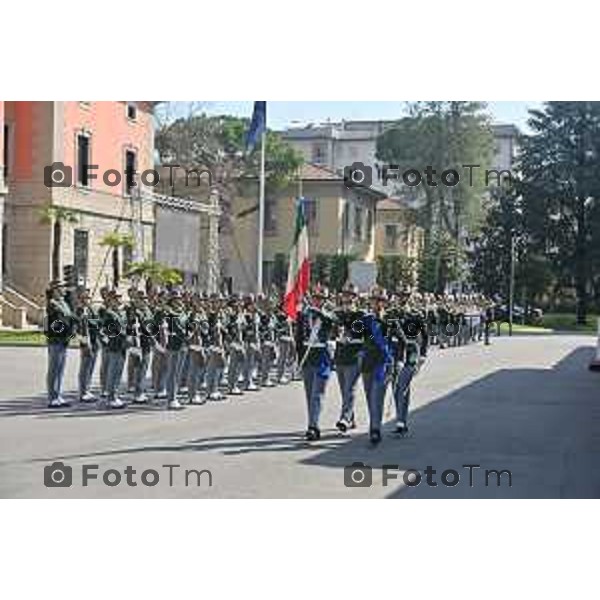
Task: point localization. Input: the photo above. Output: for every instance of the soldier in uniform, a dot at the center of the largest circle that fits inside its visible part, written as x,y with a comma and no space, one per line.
104,294
376,362
159,307
176,321
59,330
285,339
89,343
114,334
407,329
267,341
349,343
251,341
144,334
313,333
216,350
234,337
196,351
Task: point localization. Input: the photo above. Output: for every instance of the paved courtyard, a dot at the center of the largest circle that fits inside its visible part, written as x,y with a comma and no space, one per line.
527,405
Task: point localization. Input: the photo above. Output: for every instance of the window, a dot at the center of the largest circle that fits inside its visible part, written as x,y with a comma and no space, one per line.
270,216
358,223
83,159
267,273
310,212
319,154
80,255
132,111
391,237
130,164
6,153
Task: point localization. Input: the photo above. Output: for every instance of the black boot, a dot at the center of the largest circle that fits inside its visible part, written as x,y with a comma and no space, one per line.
375,437
312,434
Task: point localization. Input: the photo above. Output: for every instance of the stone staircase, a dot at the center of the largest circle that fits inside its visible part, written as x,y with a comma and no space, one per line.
19,311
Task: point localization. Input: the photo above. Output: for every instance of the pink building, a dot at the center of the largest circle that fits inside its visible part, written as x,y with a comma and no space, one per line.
34,137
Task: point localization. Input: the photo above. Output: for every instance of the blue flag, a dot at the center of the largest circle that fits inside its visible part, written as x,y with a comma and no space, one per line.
257,126
374,328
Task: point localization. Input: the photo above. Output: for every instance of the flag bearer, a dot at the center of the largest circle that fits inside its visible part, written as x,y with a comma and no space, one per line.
313,334
376,362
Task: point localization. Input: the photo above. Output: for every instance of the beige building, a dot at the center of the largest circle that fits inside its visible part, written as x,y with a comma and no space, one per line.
395,230
340,221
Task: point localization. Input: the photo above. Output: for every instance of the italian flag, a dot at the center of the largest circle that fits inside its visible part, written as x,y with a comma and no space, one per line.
299,270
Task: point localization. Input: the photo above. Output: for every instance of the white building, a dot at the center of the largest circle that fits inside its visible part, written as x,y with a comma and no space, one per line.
338,145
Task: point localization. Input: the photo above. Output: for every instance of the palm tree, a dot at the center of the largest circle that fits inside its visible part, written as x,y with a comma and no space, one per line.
57,215
115,241
154,273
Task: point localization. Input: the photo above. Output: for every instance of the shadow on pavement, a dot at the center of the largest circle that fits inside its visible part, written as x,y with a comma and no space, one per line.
515,419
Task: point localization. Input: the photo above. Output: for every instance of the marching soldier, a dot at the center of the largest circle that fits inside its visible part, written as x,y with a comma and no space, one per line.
267,342
114,334
89,344
313,334
285,340
216,351
349,343
376,362
145,332
104,294
235,341
59,330
176,321
251,341
196,352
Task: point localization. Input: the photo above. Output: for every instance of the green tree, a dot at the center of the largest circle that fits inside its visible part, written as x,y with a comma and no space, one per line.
154,273
395,271
115,241
217,143
560,165
57,216
443,136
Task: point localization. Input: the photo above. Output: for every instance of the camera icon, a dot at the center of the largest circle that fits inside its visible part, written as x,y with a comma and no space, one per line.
58,175
358,174
58,475
358,475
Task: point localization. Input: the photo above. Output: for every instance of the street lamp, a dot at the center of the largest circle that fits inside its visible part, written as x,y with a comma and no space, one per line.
511,283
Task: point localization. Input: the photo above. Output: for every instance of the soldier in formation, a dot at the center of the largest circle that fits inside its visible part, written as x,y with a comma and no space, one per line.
189,348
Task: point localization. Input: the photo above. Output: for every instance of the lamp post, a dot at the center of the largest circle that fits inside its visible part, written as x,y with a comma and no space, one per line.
511,283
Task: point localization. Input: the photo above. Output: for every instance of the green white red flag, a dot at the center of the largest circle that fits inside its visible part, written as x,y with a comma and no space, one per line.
299,270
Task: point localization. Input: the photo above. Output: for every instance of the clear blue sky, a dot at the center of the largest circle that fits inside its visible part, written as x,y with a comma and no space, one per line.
282,114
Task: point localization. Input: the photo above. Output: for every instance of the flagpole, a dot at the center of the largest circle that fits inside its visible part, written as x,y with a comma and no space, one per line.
261,215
